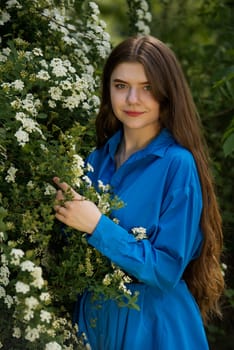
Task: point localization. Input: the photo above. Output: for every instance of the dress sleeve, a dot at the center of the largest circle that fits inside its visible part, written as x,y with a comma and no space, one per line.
161,261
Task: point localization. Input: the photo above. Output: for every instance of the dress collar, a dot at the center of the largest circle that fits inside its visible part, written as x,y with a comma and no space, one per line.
157,146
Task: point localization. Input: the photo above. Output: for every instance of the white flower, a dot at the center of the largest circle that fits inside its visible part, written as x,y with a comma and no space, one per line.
107,280
87,180
66,85
4,275
37,51
72,101
2,236
45,316
28,314
37,275
45,297
13,3
22,287
3,59
6,51
30,185
31,334
18,85
90,168
144,5
31,302
16,104
16,332
4,17
2,292
43,75
102,187
94,7
11,174
49,190
16,255
55,93
27,265
53,346
22,136
8,300
139,233
4,259
51,104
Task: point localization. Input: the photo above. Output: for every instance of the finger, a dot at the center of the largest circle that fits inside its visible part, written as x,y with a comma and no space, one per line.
66,188
59,195
63,185
60,210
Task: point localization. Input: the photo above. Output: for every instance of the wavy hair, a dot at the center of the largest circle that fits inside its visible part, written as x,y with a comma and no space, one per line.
178,113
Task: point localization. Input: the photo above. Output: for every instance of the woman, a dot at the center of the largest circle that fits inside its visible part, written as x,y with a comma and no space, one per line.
150,150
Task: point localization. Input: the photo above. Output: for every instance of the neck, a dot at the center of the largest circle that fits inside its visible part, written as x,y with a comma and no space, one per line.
133,141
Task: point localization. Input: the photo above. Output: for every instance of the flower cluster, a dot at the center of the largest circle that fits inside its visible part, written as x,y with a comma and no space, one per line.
140,16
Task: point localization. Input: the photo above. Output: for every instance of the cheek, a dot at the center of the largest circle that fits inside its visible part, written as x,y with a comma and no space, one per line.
116,101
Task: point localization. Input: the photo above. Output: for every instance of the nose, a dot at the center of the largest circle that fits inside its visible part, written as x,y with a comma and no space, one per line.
132,96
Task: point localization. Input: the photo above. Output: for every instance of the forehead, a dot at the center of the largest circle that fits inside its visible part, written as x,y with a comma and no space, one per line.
129,71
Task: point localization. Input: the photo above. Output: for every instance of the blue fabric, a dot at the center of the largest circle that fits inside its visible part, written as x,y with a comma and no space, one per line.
161,191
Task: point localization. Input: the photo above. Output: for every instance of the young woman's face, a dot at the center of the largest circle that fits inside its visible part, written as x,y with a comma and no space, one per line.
132,100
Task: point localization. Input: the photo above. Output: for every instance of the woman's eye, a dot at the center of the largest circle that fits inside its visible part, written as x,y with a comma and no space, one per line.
120,86
147,87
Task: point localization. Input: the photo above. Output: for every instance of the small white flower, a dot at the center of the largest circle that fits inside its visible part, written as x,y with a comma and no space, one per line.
53,346
31,334
4,17
107,280
4,275
2,236
16,332
13,3
43,75
52,104
65,85
31,302
87,180
16,255
8,300
27,265
90,168
11,174
22,136
22,287
30,185
37,51
2,292
55,93
49,190
45,297
18,85
139,233
37,275
45,316
102,187
28,314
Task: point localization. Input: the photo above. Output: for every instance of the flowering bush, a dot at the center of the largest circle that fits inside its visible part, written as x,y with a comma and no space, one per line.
49,78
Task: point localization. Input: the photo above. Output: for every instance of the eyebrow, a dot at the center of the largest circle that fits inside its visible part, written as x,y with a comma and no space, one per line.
125,82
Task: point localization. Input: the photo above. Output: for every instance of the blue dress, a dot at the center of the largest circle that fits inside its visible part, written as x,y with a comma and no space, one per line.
161,191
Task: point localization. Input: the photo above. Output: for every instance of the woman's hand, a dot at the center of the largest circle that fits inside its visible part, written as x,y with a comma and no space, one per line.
78,213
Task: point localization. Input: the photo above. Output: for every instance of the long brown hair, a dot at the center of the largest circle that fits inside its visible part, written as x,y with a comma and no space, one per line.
178,114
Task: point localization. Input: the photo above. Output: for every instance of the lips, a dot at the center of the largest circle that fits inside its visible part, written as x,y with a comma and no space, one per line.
133,113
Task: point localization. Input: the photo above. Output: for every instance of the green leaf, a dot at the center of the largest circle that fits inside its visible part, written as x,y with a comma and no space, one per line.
228,145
